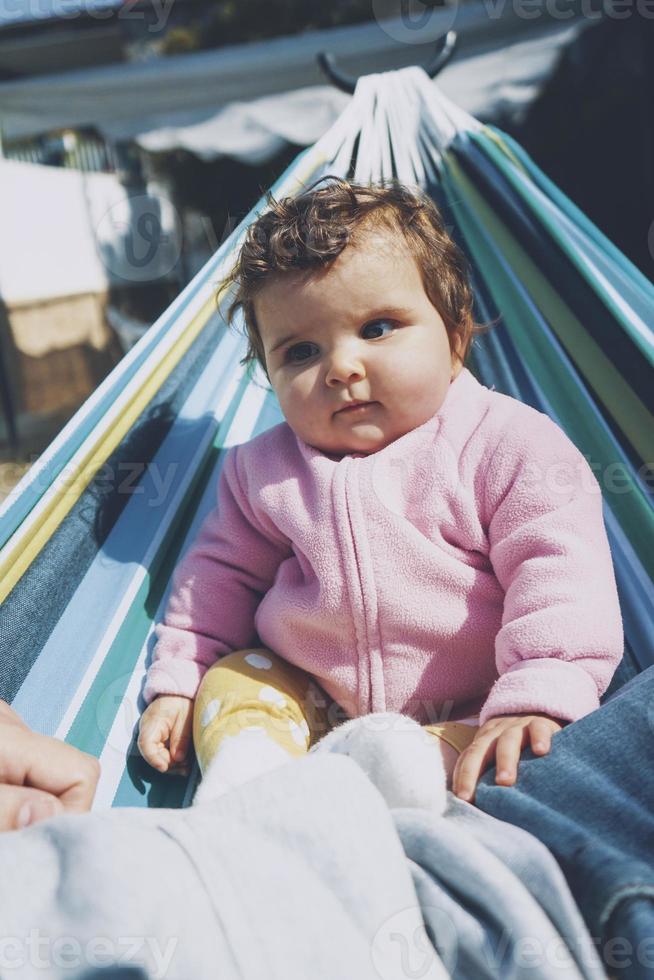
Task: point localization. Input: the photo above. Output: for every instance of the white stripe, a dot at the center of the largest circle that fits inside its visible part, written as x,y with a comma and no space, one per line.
134,586
113,756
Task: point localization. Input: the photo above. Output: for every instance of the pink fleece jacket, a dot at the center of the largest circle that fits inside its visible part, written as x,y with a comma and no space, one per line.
464,567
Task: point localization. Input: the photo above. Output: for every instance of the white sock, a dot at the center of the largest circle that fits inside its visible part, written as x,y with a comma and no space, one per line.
397,755
240,758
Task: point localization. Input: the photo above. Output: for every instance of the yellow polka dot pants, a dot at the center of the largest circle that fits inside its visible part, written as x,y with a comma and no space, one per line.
257,689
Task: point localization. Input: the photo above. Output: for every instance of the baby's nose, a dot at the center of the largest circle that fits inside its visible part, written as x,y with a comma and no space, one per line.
345,365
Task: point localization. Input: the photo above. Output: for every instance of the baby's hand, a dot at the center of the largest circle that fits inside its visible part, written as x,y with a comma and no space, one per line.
502,737
165,733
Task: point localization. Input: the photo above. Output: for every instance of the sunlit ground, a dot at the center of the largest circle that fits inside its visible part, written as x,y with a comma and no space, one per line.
10,473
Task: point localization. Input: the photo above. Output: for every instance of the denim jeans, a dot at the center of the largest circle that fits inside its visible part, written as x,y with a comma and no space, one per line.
591,801
494,900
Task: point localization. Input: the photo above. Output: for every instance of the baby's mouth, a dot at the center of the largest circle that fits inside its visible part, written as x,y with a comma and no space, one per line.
360,407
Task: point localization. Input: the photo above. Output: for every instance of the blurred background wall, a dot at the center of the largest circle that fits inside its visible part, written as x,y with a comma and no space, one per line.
136,135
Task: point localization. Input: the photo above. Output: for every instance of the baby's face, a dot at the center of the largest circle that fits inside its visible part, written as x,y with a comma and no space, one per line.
364,329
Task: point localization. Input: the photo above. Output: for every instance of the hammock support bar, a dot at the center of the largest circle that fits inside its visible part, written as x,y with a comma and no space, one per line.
346,83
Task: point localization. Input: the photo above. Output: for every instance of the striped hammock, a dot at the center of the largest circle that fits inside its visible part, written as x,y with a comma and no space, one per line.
90,536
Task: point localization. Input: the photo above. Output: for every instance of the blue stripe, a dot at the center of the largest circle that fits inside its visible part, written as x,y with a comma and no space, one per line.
77,634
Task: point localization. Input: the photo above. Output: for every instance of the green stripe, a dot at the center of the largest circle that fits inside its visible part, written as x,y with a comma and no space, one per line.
489,147
96,715
632,508
515,152
608,384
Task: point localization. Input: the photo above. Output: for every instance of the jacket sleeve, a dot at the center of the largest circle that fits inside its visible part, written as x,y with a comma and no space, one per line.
561,638
216,589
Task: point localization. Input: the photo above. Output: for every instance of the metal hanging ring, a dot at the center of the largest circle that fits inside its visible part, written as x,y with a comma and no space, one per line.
347,83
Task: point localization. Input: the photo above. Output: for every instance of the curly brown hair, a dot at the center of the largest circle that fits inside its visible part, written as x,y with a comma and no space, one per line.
310,230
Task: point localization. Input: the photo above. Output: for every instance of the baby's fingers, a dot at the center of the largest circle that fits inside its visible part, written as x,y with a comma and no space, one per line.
180,738
540,734
471,763
152,741
509,747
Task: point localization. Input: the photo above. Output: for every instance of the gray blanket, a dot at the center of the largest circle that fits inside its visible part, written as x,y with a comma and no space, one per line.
295,875
301,873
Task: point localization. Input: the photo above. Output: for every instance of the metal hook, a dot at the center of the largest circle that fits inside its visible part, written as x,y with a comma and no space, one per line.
347,83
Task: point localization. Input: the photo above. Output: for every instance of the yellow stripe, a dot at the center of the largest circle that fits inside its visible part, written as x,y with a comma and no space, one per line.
18,559
506,150
608,384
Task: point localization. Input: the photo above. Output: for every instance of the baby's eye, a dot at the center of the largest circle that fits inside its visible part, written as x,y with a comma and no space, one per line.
297,347
376,323
291,353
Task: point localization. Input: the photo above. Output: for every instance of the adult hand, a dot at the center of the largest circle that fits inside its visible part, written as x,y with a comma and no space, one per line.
40,776
502,739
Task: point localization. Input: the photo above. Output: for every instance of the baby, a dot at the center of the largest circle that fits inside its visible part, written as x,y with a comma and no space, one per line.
407,541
